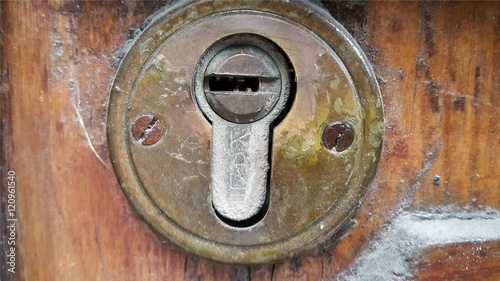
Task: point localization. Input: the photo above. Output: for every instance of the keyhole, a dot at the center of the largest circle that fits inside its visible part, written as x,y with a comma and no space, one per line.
231,83
243,87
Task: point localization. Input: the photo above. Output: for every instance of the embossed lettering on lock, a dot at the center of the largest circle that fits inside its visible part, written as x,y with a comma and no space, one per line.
245,131
241,84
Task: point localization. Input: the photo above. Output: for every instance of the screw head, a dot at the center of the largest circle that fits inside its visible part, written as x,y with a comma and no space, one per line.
334,194
337,137
147,129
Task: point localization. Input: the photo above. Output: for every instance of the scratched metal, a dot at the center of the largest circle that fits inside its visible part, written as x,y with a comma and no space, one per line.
240,57
312,192
240,164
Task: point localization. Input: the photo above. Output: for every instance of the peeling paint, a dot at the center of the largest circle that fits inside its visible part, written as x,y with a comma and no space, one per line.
376,129
390,255
337,105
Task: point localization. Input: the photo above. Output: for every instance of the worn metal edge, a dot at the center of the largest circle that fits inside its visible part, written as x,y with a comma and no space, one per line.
205,248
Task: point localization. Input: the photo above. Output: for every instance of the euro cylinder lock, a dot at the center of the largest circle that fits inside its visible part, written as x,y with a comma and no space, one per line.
245,131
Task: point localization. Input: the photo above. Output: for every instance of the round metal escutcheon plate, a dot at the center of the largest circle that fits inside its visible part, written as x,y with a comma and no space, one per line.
165,170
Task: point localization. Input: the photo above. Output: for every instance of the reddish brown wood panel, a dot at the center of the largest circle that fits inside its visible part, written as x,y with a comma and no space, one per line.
437,64
466,261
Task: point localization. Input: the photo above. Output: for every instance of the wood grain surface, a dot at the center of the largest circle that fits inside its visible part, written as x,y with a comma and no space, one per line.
465,261
437,65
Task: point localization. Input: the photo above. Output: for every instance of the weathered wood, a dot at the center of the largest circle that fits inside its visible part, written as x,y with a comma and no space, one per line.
466,261
437,64
415,48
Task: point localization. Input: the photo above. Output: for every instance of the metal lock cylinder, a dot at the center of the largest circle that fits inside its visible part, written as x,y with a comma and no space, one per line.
245,131
241,84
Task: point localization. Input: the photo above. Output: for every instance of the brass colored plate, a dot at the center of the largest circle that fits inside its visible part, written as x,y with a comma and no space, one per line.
313,190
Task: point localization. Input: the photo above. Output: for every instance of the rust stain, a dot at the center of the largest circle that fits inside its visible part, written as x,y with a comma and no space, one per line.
426,51
59,127
399,150
428,29
459,103
432,91
477,83
453,74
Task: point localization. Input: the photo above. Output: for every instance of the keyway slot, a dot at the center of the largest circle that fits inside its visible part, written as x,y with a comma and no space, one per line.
222,83
242,86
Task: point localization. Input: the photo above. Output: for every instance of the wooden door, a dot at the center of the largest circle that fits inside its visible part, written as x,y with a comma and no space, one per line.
432,213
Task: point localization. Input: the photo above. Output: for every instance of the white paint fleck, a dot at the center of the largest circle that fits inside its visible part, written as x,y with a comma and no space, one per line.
180,157
337,105
389,256
334,84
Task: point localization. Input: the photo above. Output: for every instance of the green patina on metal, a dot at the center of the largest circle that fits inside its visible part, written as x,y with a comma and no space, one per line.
313,191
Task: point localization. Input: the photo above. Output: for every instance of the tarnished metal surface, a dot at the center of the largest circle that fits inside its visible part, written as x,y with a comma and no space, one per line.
312,190
238,60
240,164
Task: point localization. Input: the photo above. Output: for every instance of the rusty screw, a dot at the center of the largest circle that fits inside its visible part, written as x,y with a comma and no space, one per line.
337,137
147,129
